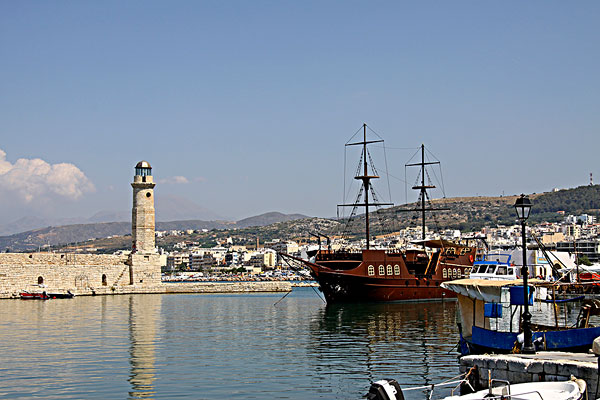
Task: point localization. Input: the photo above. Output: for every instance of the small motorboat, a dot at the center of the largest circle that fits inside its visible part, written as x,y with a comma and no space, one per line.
34,296
67,295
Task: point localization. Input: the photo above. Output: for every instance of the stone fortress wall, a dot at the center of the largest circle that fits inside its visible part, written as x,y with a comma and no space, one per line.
79,273
91,274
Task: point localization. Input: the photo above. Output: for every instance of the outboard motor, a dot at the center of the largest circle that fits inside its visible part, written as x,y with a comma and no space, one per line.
385,389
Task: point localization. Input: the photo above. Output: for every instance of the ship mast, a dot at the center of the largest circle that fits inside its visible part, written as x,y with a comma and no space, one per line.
366,182
423,189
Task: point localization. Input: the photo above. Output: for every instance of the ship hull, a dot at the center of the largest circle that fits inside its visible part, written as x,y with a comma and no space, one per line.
381,276
338,287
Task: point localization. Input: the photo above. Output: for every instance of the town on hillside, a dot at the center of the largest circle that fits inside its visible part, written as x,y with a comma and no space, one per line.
189,260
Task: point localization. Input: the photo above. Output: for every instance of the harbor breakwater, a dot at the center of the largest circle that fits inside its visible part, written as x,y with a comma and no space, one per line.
90,274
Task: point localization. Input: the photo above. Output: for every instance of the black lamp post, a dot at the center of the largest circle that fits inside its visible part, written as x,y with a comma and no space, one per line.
523,206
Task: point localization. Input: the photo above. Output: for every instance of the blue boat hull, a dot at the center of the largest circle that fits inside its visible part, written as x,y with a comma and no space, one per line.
488,341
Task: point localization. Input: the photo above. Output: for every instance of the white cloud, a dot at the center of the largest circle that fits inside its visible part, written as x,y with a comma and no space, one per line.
34,179
176,180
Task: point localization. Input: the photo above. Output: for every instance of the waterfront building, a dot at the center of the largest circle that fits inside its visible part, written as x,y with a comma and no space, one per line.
202,260
282,246
266,258
177,261
588,248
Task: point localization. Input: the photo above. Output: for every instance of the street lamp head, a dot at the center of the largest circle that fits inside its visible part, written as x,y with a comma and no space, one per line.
523,206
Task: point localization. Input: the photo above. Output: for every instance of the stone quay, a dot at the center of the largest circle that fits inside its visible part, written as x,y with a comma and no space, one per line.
544,366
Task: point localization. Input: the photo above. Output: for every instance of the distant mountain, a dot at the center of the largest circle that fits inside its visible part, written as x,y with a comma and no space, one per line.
168,208
23,224
59,235
33,222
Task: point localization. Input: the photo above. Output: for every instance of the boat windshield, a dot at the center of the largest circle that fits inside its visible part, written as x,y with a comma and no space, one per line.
491,269
481,269
501,270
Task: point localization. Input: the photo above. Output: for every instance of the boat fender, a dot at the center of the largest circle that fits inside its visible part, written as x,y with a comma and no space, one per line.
539,343
385,389
521,338
581,383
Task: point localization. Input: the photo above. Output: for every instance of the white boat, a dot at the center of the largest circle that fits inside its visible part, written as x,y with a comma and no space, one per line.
506,264
574,389
568,390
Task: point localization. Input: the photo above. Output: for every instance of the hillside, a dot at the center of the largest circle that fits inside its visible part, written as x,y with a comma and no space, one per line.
464,213
69,234
473,213
268,219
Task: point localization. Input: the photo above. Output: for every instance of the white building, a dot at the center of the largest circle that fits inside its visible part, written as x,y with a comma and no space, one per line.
266,258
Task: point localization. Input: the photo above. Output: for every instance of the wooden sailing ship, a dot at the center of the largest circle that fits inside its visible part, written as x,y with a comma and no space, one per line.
390,275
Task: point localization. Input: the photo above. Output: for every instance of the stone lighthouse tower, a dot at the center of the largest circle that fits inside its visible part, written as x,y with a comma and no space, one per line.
142,213
144,261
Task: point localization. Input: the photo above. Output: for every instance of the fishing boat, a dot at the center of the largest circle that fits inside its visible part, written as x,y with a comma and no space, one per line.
25,295
489,322
506,264
33,296
370,274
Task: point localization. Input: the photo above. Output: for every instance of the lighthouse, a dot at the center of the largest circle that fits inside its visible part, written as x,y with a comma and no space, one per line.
142,212
144,260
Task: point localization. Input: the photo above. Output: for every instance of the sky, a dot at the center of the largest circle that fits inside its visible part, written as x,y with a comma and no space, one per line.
244,107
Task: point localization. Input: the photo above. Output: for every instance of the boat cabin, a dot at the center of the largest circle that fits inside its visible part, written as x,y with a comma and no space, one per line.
506,264
491,311
495,266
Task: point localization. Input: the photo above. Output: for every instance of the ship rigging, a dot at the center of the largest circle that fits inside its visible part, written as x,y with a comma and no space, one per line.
387,275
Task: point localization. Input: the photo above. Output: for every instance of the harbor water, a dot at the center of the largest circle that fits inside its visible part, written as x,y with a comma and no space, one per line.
249,346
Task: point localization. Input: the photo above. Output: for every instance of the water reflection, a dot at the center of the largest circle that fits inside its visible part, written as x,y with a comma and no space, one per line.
215,346
410,342
144,312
